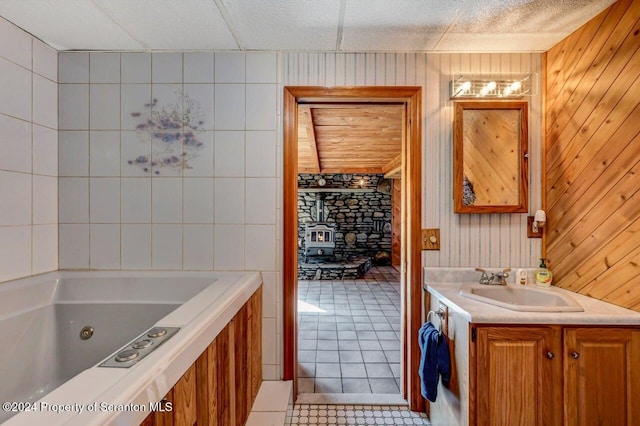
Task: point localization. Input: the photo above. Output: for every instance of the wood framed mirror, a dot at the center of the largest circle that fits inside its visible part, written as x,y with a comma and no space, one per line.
490,143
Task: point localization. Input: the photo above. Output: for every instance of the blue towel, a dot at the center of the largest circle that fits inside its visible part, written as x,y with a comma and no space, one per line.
434,360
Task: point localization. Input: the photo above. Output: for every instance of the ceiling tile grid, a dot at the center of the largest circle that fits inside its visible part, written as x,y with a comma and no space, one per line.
302,25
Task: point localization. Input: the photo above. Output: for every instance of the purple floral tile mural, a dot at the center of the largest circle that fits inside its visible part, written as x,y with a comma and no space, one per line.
174,132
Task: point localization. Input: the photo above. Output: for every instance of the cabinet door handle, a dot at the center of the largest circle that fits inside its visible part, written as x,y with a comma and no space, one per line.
575,355
551,355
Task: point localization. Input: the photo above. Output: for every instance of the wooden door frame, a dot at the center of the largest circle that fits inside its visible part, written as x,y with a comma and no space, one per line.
411,97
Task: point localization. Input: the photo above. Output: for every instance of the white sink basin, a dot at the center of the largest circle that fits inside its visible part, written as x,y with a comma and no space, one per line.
520,298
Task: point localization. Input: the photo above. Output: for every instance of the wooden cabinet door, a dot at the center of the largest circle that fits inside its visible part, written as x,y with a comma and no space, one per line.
518,373
602,376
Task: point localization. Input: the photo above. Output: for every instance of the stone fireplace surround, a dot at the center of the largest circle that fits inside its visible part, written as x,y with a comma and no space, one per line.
362,214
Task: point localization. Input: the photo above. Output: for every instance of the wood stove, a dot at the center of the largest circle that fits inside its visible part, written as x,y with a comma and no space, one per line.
319,236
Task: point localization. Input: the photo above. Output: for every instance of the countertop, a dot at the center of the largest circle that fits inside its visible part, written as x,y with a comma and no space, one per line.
596,312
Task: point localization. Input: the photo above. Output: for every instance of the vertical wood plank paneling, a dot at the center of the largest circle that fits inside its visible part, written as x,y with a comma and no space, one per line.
224,387
184,399
466,240
255,352
241,349
396,221
593,156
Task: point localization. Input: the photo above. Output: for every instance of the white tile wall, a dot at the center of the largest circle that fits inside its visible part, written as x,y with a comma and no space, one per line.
73,245
15,44
166,68
104,246
229,196
229,154
136,246
73,148
104,153
104,200
45,102
260,160
76,117
15,91
104,112
230,106
73,67
73,200
166,200
198,247
45,150
15,143
230,67
136,200
218,213
136,67
166,247
198,67
104,67
29,146
45,61
15,193
197,200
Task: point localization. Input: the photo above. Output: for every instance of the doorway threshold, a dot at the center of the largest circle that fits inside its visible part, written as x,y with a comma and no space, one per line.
351,398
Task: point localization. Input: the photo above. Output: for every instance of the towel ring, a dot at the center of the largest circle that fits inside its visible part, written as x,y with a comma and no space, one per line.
440,315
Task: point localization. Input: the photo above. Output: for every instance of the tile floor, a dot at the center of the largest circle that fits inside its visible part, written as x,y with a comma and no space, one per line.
349,334
312,414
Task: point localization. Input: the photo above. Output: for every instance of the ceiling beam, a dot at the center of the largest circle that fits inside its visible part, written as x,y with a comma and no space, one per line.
347,169
393,167
306,120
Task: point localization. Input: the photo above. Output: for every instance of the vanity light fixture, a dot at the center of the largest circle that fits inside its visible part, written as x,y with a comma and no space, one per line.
493,86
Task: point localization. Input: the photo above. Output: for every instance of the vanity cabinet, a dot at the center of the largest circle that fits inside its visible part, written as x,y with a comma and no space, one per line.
554,375
601,376
514,372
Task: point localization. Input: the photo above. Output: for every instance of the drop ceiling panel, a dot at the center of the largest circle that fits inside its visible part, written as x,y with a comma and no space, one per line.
286,24
396,25
177,24
305,25
456,42
68,24
525,16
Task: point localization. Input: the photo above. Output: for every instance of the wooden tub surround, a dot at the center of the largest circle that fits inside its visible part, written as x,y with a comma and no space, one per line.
221,386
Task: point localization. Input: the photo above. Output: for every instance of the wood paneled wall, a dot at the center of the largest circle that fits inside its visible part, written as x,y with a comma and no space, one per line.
396,220
491,240
593,157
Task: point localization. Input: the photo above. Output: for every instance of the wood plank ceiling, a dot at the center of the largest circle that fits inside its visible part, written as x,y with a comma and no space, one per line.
350,138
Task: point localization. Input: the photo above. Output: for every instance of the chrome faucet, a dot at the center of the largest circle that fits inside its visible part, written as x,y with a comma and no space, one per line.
484,278
499,278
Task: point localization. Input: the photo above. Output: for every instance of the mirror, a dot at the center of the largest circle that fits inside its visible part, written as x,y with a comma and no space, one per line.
490,157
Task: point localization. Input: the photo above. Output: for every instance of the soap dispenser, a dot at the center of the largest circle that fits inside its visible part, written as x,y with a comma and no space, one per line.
543,275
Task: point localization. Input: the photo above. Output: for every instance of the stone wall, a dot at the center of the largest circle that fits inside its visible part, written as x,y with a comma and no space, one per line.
363,219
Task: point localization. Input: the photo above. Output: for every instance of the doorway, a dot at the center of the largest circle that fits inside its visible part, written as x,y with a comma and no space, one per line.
411,291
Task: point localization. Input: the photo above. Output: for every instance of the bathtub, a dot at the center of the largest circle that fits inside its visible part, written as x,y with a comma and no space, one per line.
50,375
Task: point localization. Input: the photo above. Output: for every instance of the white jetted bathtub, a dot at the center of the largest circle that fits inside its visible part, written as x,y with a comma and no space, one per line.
50,375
